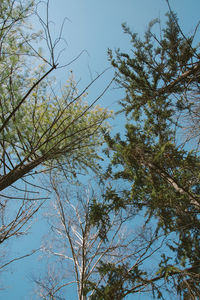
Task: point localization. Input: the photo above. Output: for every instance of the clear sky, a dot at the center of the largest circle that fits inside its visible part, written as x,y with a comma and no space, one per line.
93,26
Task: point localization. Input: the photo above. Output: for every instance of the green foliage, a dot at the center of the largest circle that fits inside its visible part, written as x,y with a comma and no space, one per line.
122,281
37,126
62,128
114,287
99,217
158,77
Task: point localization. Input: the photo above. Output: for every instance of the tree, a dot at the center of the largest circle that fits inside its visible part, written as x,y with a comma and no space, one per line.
78,255
162,173
37,126
39,129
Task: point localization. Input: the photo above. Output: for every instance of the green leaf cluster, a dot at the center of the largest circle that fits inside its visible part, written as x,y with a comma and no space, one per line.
38,126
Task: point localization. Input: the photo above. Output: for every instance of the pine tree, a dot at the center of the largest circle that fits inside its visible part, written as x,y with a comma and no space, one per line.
159,77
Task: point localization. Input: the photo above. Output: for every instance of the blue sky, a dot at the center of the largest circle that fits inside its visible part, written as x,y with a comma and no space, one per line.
93,26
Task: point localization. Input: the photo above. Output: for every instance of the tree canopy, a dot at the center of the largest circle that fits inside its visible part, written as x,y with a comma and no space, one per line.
40,130
38,126
153,170
159,76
